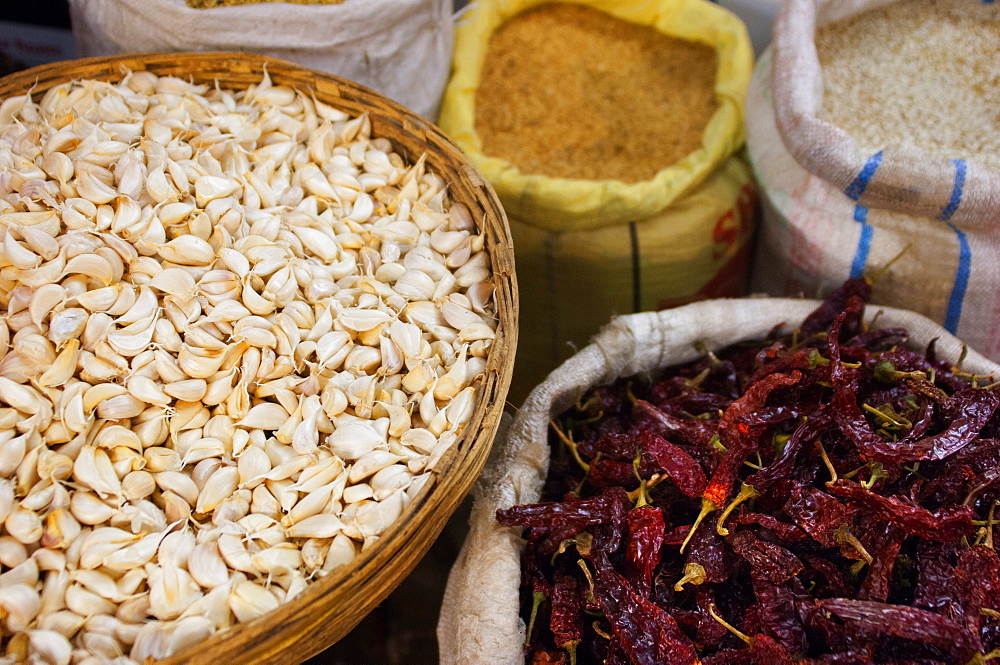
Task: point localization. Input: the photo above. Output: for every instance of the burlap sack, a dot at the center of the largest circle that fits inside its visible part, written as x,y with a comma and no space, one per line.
480,622
401,48
590,249
832,212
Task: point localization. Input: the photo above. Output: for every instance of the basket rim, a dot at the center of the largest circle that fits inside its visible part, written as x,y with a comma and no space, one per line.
482,426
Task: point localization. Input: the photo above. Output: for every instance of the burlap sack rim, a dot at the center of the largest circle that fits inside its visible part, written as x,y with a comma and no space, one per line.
479,622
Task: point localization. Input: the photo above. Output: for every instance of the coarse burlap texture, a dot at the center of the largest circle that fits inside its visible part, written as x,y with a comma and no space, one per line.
400,48
480,622
590,249
832,212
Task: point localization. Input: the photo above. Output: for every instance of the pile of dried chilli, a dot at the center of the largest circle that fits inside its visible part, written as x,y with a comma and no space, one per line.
826,497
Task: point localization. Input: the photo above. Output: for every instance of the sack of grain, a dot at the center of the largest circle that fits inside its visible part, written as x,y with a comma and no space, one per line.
401,48
878,135
480,619
623,193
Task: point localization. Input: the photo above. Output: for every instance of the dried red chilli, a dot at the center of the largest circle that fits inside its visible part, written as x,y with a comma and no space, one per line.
834,304
819,498
817,513
888,539
648,634
645,540
949,523
683,471
907,622
566,622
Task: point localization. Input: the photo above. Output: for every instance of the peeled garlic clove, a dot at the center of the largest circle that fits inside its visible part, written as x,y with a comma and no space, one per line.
370,463
91,265
373,518
12,553
252,465
97,582
135,554
249,601
188,390
21,604
390,479
175,212
313,503
146,390
144,307
120,407
60,530
220,485
265,416
12,450
317,526
24,573
44,299
171,591
99,300
138,485
86,603
420,440
18,255
178,483
101,393
280,560
92,468
461,407
342,552
50,647
188,632
352,441
187,250
415,285
88,509
64,623
360,320
67,324
235,554
200,363
206,565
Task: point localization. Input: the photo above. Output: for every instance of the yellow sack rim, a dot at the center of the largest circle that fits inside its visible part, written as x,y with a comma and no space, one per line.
564,204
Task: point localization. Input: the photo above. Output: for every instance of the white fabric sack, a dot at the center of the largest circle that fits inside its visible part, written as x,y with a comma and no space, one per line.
480,622
832,212
400,48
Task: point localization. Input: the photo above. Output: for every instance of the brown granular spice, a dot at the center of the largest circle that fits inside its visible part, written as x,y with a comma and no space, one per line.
572,92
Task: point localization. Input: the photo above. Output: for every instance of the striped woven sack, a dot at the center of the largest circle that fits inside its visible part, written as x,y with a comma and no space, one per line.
832,211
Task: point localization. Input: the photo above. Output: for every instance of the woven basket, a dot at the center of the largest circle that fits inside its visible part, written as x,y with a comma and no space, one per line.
332,606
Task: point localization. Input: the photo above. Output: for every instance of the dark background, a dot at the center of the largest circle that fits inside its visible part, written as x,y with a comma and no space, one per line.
53,13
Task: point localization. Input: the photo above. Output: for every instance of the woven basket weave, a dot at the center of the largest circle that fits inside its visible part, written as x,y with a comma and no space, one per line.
332,606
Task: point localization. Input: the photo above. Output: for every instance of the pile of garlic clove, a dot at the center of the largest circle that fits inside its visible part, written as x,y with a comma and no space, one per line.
237,334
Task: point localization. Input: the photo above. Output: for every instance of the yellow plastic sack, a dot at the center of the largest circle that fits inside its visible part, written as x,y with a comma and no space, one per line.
587,250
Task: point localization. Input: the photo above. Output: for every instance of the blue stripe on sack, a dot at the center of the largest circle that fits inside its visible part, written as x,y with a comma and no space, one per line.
864,243
860,184
961,282
956,192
